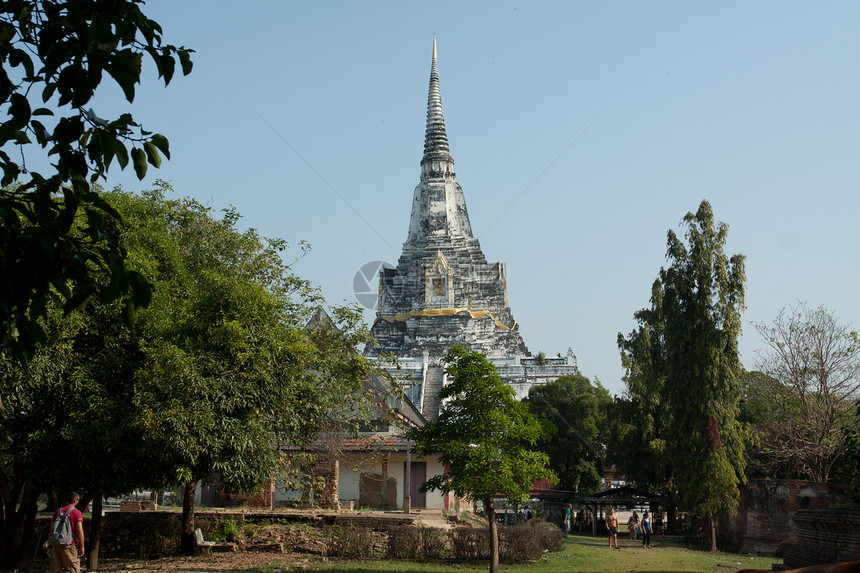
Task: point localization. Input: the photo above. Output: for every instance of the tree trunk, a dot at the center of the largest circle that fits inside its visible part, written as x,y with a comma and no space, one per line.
18,538
671,519
494,536
383,487
712,521
188,540
85,500
95,531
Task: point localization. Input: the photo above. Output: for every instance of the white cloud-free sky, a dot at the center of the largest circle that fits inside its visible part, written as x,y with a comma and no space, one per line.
582,132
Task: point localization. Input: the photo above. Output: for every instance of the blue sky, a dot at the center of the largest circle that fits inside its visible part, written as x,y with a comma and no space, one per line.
582,132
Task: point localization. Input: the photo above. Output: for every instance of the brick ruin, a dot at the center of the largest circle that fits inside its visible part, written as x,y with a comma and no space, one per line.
824,536
768,518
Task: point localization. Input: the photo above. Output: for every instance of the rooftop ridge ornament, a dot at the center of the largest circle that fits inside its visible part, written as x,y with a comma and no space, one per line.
435,137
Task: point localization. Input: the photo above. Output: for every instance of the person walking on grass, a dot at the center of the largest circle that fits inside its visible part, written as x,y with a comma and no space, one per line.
646,530
633,525
66,540
567,518
612,527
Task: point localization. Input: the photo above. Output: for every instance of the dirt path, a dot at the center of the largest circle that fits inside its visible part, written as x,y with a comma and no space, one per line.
217,563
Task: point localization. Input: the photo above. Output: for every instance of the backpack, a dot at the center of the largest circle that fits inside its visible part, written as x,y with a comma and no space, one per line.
61,529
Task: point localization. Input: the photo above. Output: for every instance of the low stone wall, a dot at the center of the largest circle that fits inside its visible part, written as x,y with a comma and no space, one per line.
155,533
824,536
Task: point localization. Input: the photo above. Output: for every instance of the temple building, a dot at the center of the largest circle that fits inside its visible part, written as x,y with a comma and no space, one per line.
444,292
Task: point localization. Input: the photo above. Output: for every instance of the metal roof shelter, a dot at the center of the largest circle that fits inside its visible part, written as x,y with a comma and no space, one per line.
625,496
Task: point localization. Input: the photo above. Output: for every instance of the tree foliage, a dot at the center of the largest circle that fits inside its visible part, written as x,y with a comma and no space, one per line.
54,55
575,412
811,383
703,298
756,407
483,435
683,364
216,374
639,419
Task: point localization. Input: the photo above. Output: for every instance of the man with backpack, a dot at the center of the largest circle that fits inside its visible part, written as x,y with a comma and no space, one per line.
66,540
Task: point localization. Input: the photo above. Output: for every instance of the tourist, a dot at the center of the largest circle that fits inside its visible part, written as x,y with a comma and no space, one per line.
580,520
646,530
658,523
66,557
612,527
567,518
633,525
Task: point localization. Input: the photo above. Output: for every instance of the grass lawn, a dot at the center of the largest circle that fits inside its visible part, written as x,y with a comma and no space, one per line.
585,555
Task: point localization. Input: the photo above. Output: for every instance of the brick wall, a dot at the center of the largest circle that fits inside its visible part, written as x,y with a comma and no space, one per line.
264,499
824,536
766,516
330,471
370,492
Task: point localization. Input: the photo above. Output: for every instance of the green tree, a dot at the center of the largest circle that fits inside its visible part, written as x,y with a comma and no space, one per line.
53,57
756,409
702,302
232,370
639,419
575,412
214,375
70,425
483,435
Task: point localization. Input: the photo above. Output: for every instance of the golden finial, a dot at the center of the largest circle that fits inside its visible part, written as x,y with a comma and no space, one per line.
434,47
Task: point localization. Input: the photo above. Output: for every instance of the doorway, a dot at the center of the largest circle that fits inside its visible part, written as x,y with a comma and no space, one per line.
417,477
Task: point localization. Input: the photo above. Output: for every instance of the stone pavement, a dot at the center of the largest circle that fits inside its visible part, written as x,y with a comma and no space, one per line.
432,518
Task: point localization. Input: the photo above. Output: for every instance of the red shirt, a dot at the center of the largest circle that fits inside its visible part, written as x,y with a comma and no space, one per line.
75,518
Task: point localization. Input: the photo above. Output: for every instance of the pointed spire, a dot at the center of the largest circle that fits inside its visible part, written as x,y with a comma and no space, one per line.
435,137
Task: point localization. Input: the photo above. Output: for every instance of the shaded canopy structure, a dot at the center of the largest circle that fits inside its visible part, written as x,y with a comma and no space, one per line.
626,496
597,504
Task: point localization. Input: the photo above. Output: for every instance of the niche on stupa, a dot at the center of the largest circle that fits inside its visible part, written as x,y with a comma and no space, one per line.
439,282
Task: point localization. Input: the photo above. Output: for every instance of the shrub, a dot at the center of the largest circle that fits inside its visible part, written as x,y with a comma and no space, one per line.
230,530
551,536
470,543
433,542
403,542
417,543
527,542
350,542
519,543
